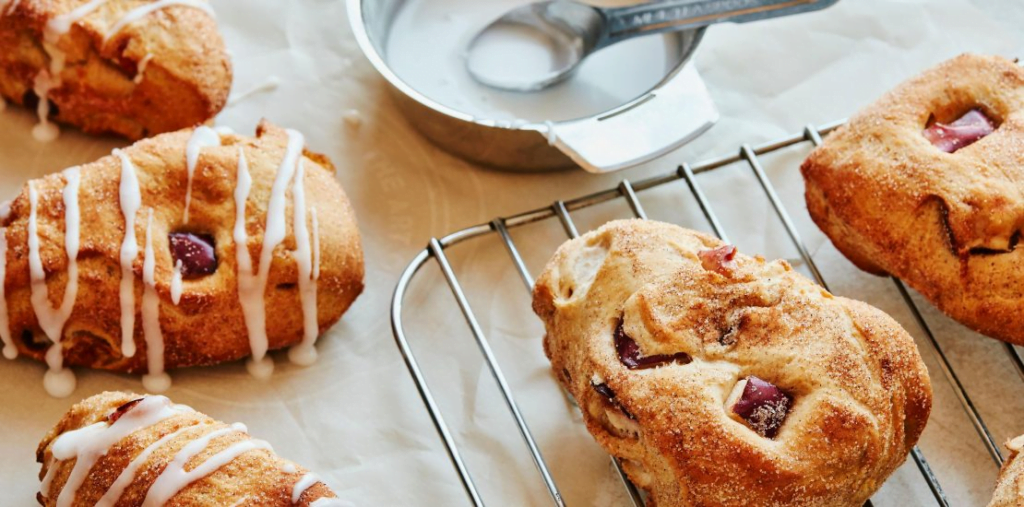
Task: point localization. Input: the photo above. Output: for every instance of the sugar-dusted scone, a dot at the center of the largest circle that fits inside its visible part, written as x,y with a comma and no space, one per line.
128,450
1010,487
131,263
718,379
135,68
927,184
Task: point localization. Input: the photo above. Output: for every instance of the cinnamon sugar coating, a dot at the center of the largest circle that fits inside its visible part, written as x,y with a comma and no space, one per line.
256,477
186,81
207,326
946,223
861,394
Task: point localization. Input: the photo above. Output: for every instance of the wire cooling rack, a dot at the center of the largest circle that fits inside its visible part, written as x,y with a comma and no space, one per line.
627,190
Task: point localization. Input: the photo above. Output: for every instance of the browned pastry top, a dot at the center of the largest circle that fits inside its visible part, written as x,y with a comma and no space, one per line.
255,477
207,326
187,71
1010,487
947,223
860,395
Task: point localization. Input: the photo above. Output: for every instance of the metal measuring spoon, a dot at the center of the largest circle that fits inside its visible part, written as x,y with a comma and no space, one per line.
569,31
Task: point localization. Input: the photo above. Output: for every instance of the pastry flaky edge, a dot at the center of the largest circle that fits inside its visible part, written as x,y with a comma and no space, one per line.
257,476
947,224
207,326
861,393
187,74
1010,486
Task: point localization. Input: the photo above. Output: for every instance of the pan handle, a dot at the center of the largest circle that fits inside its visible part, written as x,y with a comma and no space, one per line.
646,128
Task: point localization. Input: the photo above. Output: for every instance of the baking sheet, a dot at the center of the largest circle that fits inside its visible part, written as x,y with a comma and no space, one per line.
355,417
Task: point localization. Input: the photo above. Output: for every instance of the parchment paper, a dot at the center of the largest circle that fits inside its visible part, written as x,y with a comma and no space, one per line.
355,417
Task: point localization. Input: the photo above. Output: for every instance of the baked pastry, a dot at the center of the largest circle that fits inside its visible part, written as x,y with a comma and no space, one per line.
131,450
113,66
1010,487
925,185
131,263
718,379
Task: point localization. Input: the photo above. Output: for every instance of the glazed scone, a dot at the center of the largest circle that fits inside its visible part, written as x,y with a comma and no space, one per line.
131,450
719,379
1010,487
172,289
134,68
926,185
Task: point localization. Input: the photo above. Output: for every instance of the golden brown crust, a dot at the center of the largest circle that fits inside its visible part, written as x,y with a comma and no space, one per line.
861,392
186,81
207,326
1010,487
947,224
258,476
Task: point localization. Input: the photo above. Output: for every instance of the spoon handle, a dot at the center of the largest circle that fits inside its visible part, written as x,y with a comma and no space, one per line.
674,15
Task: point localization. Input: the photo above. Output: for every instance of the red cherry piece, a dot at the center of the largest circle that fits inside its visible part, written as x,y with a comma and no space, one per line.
721,260
630,355
195,252
764,406
963,132
122,410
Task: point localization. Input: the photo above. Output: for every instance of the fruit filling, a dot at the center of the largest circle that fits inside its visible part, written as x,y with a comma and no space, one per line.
763,406
963,132
195,252
630,356
603,389
122,410
720,260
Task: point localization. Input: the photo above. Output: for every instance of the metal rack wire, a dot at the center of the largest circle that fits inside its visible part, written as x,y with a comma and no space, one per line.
627,190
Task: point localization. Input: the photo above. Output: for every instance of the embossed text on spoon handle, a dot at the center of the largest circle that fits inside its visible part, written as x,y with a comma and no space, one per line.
674,15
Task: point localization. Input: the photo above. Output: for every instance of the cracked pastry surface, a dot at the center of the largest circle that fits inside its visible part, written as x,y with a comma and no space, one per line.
114,66
765,389
131,450
926,185
1010,486
299,269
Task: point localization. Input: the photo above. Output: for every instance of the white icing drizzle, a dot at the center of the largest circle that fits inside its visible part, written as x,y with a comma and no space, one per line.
57,381
10,351
269,85
174,478
251,287
549,132
304,353
202,137
305,482
147,9
316,244
7,6
44,131
128,474
60,25
131,201
289,468
331,502
44,485
156,380
176,283
87,445
140,72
